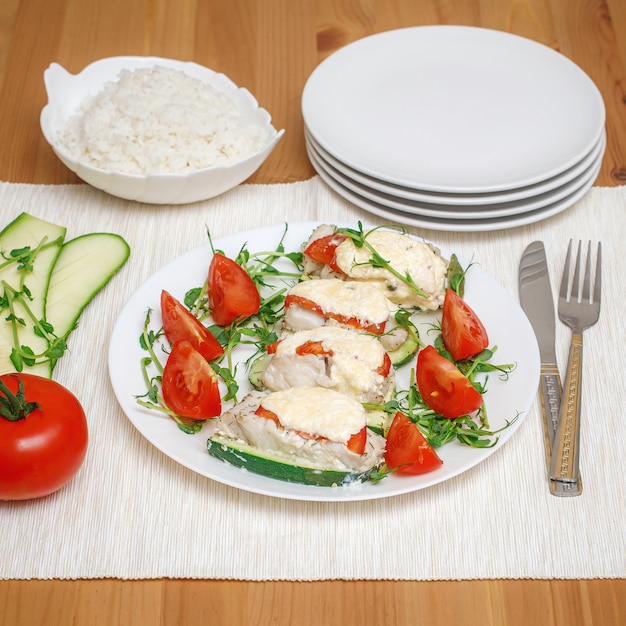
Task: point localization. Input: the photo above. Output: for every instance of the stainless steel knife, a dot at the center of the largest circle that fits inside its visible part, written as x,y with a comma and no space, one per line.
536,300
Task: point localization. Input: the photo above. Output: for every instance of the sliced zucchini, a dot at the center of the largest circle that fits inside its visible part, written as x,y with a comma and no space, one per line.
63,279
84,266
273,466
379,422
257,367
406,350
26,231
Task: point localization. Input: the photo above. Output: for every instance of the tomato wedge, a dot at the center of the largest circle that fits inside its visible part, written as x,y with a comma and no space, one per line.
323,249
353,322
179,323
443,387
355,444
407,451
232,293
189,384
463,333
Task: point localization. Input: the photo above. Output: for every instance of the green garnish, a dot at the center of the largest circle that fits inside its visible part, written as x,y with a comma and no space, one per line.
19,296
257,332
152,399
359,238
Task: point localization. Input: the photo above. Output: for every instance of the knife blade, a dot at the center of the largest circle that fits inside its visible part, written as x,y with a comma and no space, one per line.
536,299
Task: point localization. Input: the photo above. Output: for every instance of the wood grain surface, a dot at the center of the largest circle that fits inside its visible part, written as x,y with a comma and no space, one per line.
271,47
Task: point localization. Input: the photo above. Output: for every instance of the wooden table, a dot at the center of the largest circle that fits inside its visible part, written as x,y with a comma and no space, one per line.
270,47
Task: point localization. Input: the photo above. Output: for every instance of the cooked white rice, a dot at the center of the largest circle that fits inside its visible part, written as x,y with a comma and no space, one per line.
158,120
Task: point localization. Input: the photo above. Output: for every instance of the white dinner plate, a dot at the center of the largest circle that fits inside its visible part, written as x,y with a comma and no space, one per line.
462,201
456,225
453,109
506,324
453,212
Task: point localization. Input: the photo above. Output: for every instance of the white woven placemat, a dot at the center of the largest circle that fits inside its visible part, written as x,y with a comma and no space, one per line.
131,512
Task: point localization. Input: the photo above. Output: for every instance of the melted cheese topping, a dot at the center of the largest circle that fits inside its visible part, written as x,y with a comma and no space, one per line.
351,299
355,356
424,264
317,411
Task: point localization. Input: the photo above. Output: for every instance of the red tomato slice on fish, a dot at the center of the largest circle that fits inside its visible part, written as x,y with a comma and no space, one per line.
356,443
323,249
272,347
232,293
179,323
189,384
317,348
313,347
407,451
268,415
463,333
374,329
385,368
443,387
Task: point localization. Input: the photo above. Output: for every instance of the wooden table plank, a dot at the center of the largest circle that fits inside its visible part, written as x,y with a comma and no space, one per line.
270,47
326,603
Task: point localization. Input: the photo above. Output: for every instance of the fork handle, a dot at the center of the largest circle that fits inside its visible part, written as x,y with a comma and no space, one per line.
550,387
565,453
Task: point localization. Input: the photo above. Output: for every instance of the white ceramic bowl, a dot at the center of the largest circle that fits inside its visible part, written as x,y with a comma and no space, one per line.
67,91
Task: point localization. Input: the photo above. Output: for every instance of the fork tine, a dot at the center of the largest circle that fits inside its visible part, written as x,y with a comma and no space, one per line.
587,279
564,288
575,288
597,283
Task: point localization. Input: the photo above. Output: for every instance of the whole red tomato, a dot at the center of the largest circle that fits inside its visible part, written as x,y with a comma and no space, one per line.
43,436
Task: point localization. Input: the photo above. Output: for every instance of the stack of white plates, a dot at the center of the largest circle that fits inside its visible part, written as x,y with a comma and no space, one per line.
454,128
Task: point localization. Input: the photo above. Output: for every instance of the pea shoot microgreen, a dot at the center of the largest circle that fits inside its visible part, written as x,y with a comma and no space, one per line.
150,341
474,430
253,333
273,272
15,307
359,238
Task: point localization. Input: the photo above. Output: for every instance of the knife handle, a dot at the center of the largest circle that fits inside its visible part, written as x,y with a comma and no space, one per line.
565,453
550,382
550,386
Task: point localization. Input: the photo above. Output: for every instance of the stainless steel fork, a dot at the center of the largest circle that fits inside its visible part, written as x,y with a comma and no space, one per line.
579,311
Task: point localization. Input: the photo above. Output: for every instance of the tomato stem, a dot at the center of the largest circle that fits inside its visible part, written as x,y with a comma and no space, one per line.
13,406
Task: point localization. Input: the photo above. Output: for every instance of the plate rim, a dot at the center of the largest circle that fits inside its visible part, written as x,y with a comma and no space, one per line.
460,225
444,213
461,200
